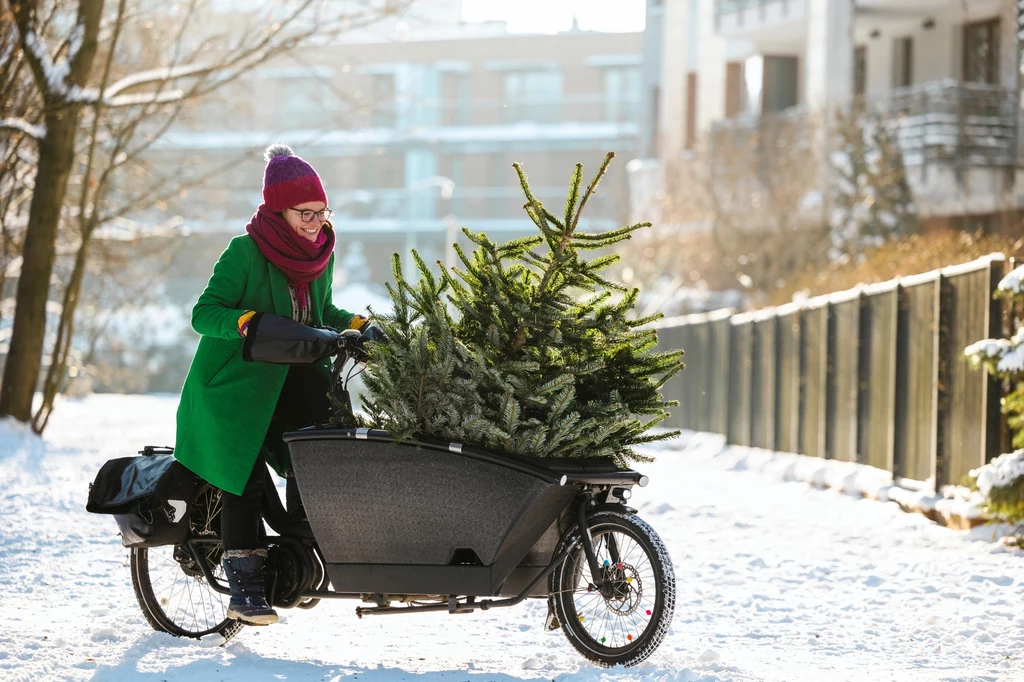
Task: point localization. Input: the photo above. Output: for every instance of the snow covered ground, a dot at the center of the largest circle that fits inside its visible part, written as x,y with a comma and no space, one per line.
777,581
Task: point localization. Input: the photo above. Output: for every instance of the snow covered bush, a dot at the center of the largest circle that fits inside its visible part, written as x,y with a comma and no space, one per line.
871,197
1001,481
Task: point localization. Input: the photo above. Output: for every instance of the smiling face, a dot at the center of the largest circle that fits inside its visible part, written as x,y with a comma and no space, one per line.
310,230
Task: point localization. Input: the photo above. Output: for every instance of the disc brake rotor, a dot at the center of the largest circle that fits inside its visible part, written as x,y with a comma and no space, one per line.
626,588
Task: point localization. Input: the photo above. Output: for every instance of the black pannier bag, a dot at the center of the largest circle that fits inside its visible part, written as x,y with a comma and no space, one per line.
150,497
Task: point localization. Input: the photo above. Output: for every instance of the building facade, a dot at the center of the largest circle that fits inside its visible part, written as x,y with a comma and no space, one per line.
944,72
415,138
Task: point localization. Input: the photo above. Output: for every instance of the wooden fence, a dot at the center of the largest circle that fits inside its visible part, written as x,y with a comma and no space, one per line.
874,375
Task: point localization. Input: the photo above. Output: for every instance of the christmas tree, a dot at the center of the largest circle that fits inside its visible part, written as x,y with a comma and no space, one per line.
526,348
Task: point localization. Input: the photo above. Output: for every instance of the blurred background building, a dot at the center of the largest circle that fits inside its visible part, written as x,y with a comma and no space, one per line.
413,126
774,144
945,73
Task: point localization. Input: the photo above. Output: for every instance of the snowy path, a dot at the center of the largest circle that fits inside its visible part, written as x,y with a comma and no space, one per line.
777,581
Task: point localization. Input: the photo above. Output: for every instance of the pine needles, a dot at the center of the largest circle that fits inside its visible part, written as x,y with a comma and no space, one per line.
525,347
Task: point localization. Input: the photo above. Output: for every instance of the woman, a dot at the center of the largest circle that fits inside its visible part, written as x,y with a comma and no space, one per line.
232,412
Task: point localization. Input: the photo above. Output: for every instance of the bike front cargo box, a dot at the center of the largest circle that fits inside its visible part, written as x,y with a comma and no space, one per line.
438,518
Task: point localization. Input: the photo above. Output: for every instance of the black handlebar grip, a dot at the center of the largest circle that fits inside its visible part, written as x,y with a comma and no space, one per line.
283,341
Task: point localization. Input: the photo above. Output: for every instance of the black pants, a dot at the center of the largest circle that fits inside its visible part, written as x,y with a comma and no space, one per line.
303,401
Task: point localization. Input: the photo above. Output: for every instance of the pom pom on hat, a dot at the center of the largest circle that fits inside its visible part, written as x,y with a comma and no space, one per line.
277,149
288,180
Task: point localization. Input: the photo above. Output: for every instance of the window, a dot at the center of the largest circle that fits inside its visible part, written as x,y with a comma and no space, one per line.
454,98
903,64
860,70
735,96
453,166
771,84
497,204
533,96
383,100
622,93
691,110
780,83
383,171
655,121
304,102
981,52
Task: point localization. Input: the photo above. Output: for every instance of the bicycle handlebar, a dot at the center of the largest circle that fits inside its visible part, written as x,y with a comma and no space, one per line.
283,341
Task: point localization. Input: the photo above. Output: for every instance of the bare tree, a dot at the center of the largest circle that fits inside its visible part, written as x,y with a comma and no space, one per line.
18,112
744,210
675,263
871,198
111,83
764,185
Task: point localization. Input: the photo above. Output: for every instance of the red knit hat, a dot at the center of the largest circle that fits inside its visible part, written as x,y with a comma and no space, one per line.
288,180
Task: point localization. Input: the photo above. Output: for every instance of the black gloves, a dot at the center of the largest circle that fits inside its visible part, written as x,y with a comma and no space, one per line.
371,332
283,341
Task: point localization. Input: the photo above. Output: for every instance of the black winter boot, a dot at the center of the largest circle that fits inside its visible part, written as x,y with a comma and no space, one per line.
244,569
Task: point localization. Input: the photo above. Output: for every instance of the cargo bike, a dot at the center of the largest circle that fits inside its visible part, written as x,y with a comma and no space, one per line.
427,527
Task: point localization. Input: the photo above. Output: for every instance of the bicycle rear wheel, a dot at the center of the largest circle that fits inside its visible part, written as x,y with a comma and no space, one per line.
171,587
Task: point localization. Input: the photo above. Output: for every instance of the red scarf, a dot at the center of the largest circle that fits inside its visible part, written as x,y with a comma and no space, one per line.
301,260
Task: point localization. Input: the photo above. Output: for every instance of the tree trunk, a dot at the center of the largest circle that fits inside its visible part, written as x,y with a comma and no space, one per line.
56,156
21,370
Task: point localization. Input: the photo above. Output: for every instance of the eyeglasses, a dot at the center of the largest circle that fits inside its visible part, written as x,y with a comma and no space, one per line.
307,215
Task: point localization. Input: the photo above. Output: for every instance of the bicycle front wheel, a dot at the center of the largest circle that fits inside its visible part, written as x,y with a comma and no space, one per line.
623,620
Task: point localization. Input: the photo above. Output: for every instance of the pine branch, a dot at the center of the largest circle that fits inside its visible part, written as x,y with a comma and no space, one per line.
571,227
537,356
574,193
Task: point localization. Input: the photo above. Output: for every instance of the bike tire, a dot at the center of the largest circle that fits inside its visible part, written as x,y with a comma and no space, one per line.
616,637
154,607
177,576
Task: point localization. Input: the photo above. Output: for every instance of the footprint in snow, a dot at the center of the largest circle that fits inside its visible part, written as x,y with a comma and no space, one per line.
1001,580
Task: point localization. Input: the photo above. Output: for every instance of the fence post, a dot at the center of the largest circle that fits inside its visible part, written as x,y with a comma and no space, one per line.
720,335
762,381
787,378
996,322
966,419
740,347
669,336
1012,314
917,378
842,397
813,378
877,368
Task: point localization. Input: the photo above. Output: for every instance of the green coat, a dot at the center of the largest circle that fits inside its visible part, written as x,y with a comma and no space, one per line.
226,403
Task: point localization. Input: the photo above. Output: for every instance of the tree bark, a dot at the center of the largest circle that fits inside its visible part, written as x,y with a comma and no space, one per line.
56,156
21,371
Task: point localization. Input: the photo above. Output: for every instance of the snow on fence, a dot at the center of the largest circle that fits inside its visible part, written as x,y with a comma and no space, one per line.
874,375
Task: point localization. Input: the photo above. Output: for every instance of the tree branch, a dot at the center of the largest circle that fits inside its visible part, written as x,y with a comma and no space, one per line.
32,130
58,79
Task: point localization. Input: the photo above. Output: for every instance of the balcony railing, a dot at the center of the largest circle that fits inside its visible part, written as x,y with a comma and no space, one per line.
477,112
964,125
729,6
738,15
951,122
